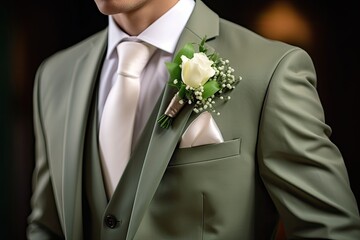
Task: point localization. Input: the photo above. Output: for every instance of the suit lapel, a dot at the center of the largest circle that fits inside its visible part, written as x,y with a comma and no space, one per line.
157,157
84,78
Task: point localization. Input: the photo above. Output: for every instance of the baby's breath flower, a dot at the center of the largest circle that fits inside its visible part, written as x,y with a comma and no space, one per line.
217,80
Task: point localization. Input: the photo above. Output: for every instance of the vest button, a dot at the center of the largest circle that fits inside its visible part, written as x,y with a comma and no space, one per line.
110,221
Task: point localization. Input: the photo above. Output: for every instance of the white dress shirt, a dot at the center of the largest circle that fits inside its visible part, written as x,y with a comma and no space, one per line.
164,34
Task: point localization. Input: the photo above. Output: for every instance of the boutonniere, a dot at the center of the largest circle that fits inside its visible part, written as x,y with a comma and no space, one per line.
200,79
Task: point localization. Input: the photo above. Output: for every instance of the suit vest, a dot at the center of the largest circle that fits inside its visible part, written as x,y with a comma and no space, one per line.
96,206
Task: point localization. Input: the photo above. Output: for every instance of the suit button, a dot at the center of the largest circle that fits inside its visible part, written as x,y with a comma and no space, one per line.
110,221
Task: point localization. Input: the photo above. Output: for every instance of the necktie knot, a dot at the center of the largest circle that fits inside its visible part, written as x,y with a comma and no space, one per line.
133,57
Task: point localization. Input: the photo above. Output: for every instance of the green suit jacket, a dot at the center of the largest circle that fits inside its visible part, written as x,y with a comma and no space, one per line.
276,162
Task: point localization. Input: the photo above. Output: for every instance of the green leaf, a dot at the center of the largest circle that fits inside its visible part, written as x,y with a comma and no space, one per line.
210,88
202,47
182,91
214,57
188,50
174,72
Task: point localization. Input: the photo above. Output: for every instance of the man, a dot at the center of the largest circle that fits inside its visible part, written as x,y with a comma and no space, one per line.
274,163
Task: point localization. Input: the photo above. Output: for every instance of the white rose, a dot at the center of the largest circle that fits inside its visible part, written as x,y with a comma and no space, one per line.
197,70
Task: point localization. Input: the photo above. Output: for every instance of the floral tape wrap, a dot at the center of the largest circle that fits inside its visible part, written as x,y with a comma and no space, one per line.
175,106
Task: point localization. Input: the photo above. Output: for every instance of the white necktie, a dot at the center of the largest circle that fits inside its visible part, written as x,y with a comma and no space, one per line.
117,121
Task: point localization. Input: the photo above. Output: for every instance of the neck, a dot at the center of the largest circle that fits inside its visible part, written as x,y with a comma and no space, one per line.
137,20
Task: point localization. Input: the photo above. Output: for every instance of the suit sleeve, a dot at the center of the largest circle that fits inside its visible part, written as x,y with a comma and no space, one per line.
43,222
302,169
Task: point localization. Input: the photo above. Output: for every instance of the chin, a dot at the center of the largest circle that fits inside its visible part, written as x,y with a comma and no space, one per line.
107,7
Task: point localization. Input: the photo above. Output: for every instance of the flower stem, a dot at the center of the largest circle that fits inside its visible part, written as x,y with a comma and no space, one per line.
165,121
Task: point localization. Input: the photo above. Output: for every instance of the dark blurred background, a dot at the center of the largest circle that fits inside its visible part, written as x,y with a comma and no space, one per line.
33,30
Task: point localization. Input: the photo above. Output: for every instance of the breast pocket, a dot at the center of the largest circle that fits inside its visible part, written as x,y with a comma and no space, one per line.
200,188
208,152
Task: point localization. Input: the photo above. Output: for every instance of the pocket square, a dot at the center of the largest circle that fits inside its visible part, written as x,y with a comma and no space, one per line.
203,130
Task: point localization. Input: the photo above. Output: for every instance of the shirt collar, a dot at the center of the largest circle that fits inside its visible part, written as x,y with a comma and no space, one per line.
173,21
